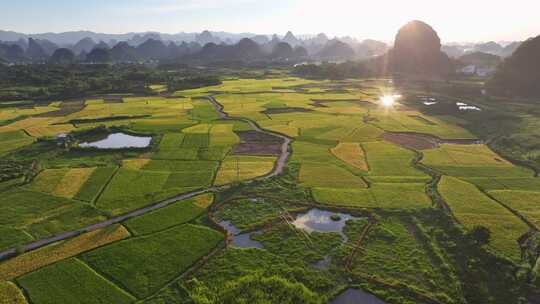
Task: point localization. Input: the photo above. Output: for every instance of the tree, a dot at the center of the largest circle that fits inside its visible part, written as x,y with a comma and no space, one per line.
480,235
254,289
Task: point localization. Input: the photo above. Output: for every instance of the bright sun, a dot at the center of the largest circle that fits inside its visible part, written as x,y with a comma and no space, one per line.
388,100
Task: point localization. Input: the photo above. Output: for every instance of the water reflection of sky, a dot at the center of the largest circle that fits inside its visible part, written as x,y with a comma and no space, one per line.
320,220
353,296
119,141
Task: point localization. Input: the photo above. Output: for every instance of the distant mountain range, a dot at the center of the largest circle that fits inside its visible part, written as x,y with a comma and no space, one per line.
17,47
456,50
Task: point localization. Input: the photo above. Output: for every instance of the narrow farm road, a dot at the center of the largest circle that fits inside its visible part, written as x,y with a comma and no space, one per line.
277,170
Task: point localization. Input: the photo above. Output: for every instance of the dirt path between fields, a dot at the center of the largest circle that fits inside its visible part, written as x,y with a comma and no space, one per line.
277,170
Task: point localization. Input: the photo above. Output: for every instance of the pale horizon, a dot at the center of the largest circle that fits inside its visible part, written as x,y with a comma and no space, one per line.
459,21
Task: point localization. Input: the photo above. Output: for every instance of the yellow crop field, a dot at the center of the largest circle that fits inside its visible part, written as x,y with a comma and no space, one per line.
53,130
204,200
33,260
135,164
47,180
72,182
352,154
463,155
11,294
26,123
200,128
240,168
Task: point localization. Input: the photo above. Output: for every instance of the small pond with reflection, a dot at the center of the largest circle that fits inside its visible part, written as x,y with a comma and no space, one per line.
119,141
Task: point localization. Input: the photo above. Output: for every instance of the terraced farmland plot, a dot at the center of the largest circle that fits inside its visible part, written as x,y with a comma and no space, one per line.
223,135
71,281
471,161
527,203
132,189
12,237
304,151
504,183
145,264
13,140
407,121
20,206
53,253
473,208
386,159
72,182
75,216
171,141
203,111
351,153
240,168
318,175
173,215
95,183
379,196
135,164
62,182
181,166
196,140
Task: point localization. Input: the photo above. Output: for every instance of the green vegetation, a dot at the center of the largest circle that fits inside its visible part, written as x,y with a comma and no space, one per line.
173,215
247,213
94,184
472,208
393,243
379,196
433,223
71,281
145,264
12,237
525,203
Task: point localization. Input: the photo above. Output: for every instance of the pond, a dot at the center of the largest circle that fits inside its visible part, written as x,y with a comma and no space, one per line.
356,296
466,107
322,221
240,240
119,141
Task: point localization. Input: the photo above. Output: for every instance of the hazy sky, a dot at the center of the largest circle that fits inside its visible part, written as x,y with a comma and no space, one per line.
454,20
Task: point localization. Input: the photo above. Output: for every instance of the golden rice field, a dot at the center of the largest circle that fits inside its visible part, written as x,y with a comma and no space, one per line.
351,153
239,168
33,260
11,294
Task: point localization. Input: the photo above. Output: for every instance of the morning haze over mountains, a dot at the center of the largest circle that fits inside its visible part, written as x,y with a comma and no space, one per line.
89,46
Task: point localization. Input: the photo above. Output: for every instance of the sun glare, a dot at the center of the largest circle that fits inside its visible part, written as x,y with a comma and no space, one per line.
388,101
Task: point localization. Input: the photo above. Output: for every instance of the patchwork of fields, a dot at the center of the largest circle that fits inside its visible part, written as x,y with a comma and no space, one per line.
340,160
